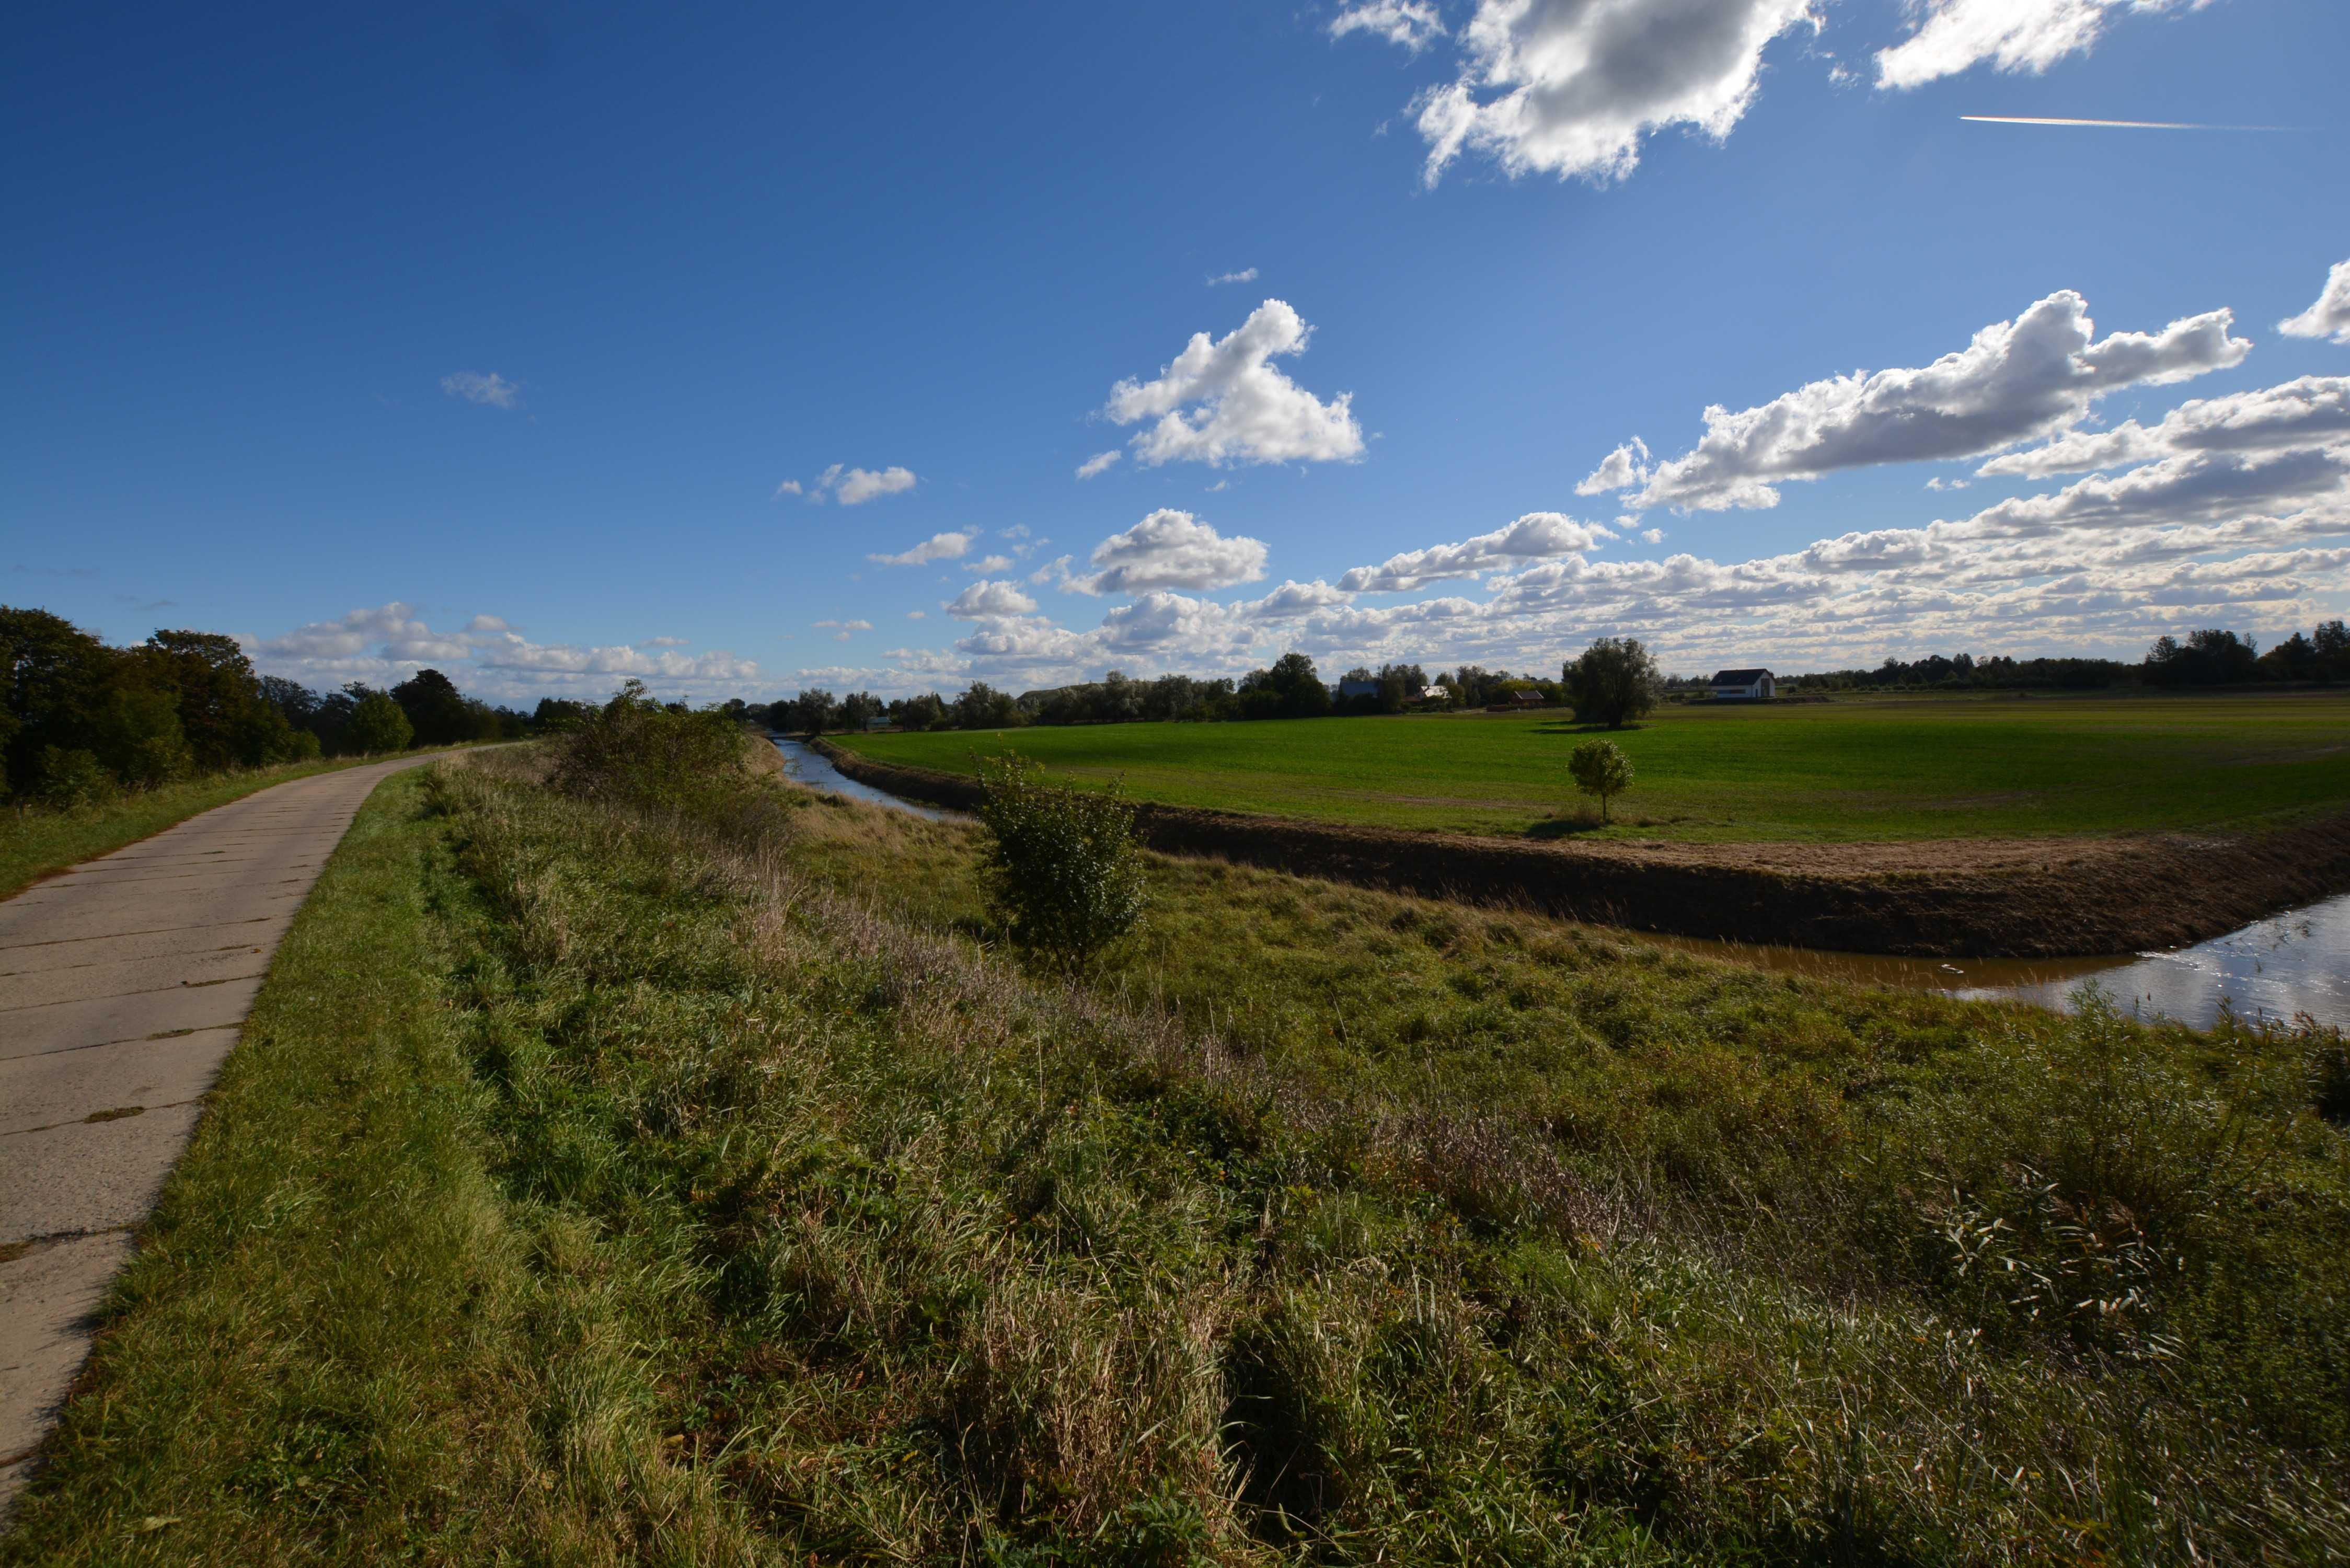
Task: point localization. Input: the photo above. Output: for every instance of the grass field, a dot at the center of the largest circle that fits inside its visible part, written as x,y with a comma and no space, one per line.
1856,770
594,1190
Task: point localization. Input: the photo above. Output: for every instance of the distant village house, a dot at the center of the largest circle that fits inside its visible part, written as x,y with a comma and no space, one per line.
1744,685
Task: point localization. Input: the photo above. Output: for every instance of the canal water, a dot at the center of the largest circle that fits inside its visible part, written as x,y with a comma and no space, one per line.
2293,963
2290,964
814,769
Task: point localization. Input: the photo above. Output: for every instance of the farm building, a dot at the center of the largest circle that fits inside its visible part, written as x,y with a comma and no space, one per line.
1744,685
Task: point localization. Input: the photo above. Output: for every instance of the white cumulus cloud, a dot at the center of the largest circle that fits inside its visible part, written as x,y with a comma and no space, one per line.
388,643
1100,462
1222,401
948,547
850,486
1624,467
842,630
2019,381
1411,24
486,388
2013,36
1537,535
1247,274
2314,410
2330,316
1170,549
990,600
1571,87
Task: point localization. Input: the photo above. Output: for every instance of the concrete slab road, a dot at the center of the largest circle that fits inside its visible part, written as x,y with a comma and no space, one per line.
123,983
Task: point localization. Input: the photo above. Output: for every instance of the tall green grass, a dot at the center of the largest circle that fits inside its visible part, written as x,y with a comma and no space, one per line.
718,1197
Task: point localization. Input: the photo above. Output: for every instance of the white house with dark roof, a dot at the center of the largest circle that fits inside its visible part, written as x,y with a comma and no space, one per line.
1744,685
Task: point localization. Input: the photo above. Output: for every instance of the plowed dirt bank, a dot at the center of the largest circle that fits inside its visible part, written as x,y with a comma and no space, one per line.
2037,898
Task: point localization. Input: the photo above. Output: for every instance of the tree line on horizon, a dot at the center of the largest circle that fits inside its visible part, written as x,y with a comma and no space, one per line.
81,721
1291,688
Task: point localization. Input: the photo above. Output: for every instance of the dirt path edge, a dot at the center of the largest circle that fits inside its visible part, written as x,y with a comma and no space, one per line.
2066,897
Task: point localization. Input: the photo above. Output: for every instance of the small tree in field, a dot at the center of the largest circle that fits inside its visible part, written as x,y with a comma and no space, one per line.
1601,768
1064,871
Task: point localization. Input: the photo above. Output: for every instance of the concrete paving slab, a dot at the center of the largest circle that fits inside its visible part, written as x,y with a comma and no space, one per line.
127,976
40,958
94,917
123,984
142,1015
90,1176
52,1291
59,1086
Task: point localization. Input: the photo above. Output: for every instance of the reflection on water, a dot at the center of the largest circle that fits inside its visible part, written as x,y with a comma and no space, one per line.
2292,963
815,769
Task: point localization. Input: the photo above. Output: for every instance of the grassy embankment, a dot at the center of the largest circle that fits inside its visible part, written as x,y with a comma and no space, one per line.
1853,770
35,841
590,1191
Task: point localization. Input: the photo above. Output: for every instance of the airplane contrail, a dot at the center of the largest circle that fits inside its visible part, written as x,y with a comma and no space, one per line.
2111,124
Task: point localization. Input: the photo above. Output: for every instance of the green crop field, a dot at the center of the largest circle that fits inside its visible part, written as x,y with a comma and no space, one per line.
1854,770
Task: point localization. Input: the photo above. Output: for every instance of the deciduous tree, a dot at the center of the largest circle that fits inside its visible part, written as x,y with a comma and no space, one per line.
1612,683
1601,768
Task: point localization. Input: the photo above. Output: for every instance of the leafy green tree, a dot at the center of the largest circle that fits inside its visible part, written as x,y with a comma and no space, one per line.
926,711
2212,656
379,725
138,736
1063,868
983,707
436,709
813,712
555,715
296,703
858,707
1612,683
227,720
1601,768
54,678
1291,689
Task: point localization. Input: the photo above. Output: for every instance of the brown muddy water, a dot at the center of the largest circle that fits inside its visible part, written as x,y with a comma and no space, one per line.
2284,967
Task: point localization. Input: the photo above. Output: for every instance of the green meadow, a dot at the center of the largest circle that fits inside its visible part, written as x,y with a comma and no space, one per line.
1848,770
677,1174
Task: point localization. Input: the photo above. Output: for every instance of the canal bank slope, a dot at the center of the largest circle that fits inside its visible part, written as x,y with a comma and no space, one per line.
2013,897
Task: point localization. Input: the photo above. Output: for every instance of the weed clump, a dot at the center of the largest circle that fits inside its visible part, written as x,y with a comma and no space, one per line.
1065,870
636,753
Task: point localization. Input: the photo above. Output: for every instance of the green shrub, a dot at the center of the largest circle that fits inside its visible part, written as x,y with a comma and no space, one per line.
137,735
634,752
379,725
1064,870
72,778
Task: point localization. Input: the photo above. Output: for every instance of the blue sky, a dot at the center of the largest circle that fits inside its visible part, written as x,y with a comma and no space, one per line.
494,339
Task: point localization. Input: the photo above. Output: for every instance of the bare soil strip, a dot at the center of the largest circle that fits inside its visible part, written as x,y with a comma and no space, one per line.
123,984
1975,898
